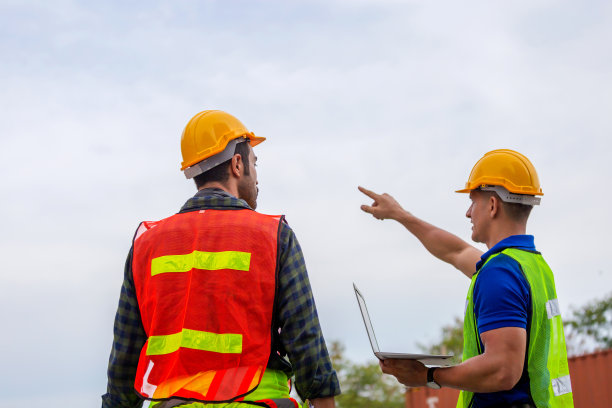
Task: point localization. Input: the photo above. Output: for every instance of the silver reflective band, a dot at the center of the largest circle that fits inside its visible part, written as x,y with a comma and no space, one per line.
213,161
552,308
561,385
509,197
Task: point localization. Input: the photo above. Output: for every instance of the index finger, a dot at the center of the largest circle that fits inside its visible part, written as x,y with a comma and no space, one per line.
369,193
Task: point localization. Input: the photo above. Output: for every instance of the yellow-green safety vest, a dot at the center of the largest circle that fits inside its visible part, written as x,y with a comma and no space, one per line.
549,379
274,386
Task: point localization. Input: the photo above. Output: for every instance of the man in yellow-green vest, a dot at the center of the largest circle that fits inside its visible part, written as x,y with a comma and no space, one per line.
514,353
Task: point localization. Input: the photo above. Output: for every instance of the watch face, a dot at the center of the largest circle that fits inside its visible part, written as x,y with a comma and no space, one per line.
433,385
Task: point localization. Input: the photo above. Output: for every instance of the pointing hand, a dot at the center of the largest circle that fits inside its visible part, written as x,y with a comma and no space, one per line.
383,207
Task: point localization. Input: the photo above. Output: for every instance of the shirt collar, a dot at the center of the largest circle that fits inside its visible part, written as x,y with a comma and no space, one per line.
213,192
213,198
525,242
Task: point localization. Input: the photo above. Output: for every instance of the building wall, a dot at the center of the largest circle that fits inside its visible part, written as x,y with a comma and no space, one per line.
592,379
424,397
591,385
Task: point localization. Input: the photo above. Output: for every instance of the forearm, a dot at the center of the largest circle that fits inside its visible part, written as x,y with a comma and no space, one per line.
499,368
123,361
441,243
478,374
129,338
303,340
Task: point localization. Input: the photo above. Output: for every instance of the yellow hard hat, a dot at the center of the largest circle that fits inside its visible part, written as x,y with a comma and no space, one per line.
505,168
208,133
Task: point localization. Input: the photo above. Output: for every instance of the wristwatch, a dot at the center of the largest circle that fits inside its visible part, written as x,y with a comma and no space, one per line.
431,383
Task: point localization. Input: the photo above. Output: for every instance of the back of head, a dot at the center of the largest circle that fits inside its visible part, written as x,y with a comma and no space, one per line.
220,173
209,140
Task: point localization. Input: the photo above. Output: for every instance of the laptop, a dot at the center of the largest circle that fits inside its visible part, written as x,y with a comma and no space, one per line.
427,359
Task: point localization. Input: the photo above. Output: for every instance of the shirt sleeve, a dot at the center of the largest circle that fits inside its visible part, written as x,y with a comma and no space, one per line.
501,295
129,338
301,334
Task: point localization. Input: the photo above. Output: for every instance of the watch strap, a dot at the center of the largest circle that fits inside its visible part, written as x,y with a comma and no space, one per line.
431,383
430,374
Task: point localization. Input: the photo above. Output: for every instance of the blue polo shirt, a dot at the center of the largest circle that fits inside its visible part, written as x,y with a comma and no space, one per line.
502,298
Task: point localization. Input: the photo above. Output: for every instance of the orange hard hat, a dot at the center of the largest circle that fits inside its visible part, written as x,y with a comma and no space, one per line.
505,168
208,133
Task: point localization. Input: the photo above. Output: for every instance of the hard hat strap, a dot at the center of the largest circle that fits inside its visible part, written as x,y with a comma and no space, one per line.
509,197
214,161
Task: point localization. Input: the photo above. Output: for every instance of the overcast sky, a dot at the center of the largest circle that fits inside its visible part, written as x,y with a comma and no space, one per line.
399,96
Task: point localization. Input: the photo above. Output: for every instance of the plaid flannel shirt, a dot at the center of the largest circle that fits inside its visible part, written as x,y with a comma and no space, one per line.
300,337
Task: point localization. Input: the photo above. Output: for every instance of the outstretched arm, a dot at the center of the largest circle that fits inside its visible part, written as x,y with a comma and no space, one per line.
440,243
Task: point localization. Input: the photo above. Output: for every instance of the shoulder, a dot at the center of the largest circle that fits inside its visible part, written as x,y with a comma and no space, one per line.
501,268
286,235
291,258
501,294
501,275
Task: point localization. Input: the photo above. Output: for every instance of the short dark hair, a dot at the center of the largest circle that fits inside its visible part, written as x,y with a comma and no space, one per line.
220,173
515,211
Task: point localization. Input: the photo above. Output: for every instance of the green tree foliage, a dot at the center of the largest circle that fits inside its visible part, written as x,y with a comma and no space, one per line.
451,342
590,326
364,385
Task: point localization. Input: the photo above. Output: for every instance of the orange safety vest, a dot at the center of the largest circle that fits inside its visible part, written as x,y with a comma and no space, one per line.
205,282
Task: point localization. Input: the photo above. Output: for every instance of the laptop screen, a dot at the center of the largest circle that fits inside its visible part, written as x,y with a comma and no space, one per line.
366,319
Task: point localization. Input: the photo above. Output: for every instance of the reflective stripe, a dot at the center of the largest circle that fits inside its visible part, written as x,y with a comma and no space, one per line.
561,385
194,339
552,308
212,261
148,389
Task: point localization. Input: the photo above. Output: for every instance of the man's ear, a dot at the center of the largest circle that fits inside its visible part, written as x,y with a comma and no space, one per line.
236,165
494,206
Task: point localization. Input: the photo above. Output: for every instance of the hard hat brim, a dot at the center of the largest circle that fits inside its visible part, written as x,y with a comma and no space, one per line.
255,140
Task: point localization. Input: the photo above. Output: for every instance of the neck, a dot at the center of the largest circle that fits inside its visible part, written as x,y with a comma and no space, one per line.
501,231
227,187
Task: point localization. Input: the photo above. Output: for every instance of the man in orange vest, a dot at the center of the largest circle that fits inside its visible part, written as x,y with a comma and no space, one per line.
216,308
